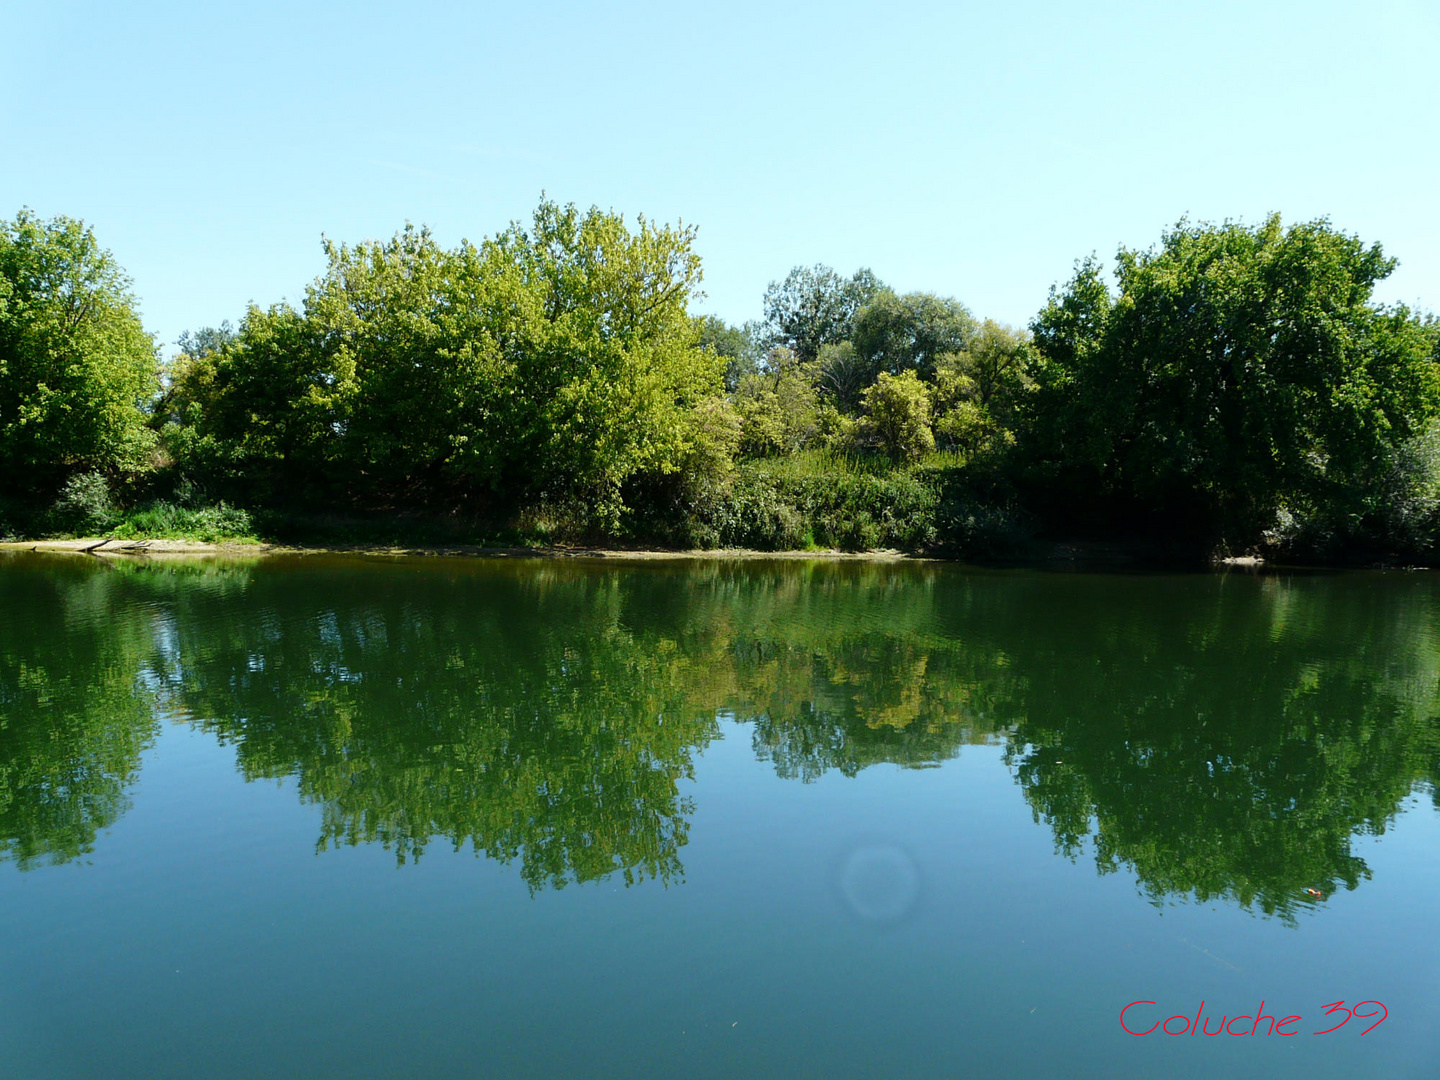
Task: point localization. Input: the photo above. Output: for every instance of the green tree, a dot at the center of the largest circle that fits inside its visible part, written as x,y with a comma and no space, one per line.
550,363
897,413
779,409
978,393
910,333
843,375
259,413
814,307
737,344
602,373
77,369
207,339
1241,372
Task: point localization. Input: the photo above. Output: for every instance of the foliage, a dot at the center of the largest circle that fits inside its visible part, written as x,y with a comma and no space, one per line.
842,375
76,366
210,524
979,393
897,413
207,339
552,362
779,409
824,500
814,307
84,506
895,334
739,345
1240,372
1239,387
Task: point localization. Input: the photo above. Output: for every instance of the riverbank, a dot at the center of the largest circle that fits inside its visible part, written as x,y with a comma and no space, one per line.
1058,556
100,546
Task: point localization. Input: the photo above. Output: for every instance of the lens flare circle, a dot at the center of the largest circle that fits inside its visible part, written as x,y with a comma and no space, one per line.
880,883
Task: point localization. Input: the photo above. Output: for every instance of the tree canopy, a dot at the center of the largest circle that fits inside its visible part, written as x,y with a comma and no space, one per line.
77,369
1234,387
1239,372
894,334
553,361
814,307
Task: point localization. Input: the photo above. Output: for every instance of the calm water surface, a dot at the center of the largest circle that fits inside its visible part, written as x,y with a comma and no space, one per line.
345,817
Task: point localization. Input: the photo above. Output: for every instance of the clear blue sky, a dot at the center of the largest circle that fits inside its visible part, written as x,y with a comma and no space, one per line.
970,149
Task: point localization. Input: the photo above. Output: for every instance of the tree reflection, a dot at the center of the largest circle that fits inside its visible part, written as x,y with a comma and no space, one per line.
74,717
1219,738
514,714
1233,745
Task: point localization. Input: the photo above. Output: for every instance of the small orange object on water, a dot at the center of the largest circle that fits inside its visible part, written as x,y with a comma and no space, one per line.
1316,893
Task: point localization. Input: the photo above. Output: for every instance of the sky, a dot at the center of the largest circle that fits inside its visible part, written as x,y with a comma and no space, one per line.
975,150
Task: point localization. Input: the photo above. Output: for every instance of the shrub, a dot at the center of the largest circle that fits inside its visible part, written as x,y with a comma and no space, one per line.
897,412
84,505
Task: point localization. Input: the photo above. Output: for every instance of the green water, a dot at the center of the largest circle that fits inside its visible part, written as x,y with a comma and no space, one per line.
357,817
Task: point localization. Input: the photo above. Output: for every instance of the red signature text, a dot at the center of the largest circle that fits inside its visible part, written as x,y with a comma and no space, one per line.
1143,1020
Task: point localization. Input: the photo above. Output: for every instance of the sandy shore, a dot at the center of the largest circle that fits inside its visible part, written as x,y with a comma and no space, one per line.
1075,556
100,546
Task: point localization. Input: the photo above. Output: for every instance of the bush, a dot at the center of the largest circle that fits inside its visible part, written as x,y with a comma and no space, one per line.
897,413
1396,519
822,501
84,505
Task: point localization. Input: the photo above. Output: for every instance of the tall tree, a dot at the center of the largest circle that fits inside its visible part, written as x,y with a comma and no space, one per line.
814,307
1242,371
77,369
739,345
551,362
910,333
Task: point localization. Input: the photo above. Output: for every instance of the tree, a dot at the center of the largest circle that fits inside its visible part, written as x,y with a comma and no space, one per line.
1241,372
977,392
600,369
208,339
77,369
897,412
843,375
779,411
262,413
737,344
909,333
814,307
549,363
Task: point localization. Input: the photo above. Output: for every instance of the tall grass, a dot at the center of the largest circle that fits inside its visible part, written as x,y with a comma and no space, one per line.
166,520
831,463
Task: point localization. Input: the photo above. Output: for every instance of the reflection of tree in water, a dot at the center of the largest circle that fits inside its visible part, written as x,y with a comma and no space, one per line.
1218,737
842,666
850,704
1232,741
512,714
74,718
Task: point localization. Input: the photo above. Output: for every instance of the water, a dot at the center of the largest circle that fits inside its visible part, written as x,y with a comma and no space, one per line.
361,817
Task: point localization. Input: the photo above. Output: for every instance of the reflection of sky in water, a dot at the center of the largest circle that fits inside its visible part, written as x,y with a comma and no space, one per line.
880,883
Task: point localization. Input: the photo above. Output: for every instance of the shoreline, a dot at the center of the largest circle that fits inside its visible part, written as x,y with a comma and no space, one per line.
1078,556
1083,556
102,547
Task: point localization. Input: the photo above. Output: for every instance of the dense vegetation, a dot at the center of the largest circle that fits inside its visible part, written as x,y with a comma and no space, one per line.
1237,389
